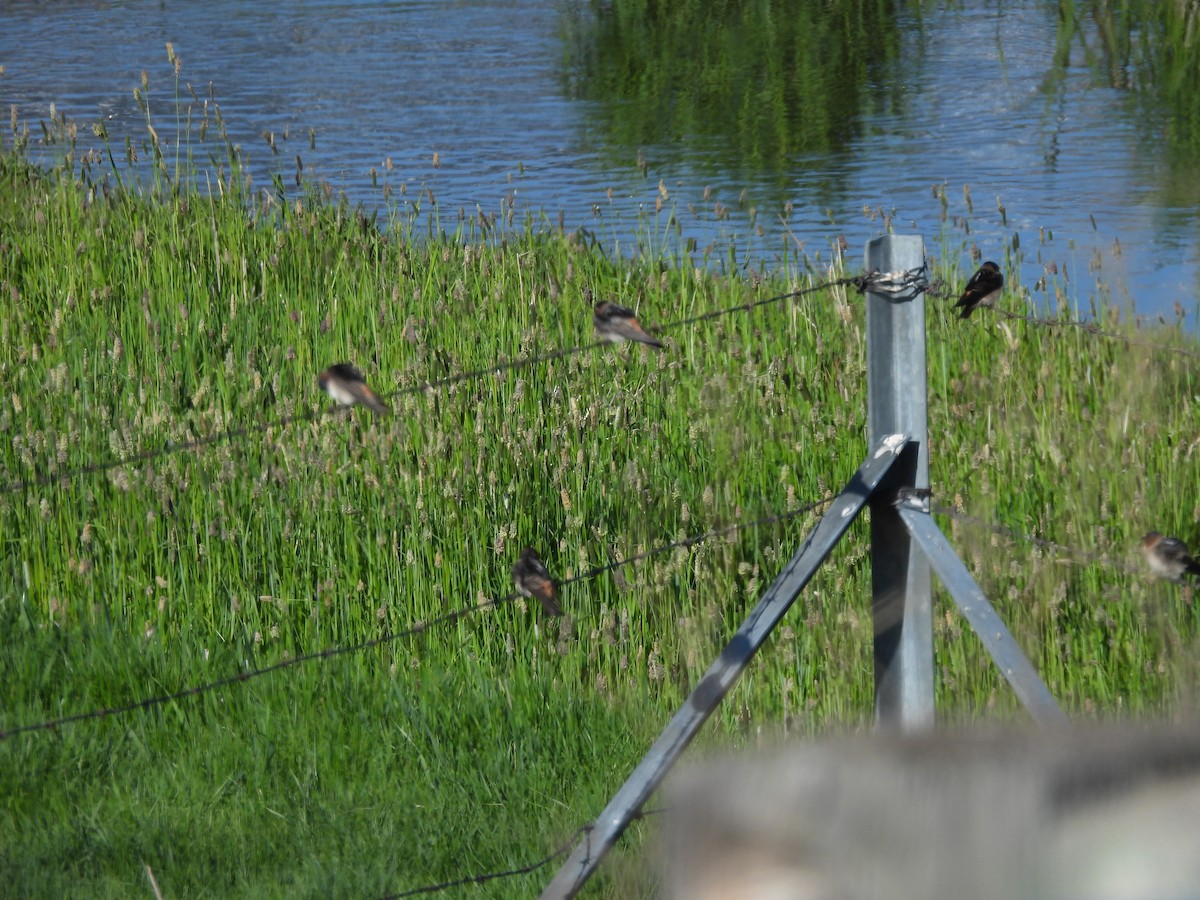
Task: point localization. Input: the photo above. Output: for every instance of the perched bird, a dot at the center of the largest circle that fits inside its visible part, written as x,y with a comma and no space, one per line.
532,580
616,324
346,385
984,287
1168,557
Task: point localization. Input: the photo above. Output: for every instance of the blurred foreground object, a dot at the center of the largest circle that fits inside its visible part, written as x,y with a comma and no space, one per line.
1095,812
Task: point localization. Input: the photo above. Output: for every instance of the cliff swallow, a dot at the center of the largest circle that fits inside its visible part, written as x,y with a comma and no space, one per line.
1168,557
532,580
984,287
616,324
346,385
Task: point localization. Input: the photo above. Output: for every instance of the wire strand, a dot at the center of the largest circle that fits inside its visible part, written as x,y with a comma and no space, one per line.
415,629
232,434
1078,555
1093,328
210,686
899,284
563,849
509,873
938,288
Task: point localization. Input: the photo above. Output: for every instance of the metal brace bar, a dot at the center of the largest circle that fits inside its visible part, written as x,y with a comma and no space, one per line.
997,639
722,674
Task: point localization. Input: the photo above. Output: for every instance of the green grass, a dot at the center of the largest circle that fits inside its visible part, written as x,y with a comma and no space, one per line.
159,313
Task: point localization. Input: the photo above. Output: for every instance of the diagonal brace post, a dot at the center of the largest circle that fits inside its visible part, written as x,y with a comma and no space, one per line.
982,617
722,674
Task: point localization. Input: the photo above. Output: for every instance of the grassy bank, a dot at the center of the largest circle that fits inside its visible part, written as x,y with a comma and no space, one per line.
143,319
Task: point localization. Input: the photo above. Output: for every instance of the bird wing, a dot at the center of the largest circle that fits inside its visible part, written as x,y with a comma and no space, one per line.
612,311
982,283
629,327
1174,550
543,588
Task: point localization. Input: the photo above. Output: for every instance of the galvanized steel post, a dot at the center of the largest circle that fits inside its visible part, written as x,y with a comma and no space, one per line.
896,400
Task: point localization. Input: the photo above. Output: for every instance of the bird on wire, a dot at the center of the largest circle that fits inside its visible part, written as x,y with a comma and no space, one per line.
346,385
618,324
533,580
1168,557
982,290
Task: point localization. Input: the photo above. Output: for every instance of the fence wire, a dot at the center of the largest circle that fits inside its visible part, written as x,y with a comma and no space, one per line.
939,289
897,285
437,888
1076,555
414,630
1091,328
499,367
562,850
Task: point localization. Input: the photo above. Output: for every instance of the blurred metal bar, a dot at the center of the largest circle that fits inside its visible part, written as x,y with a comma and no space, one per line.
996,637
722,674
901,605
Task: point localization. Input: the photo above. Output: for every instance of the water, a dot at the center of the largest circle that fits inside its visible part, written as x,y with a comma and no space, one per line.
967,96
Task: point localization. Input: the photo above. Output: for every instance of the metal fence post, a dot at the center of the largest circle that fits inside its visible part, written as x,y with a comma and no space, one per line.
901,606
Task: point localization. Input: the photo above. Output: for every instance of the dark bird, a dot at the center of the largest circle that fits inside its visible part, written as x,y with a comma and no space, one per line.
617,324
346,385
532,580
983,288
1168,557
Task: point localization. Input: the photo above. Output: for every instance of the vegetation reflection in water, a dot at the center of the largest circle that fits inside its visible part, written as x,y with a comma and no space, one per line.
1151,50
771,79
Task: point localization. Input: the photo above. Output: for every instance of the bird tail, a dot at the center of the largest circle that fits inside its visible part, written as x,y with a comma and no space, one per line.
1193,569
376,405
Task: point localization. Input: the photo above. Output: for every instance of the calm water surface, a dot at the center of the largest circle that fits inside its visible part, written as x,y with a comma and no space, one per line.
970,98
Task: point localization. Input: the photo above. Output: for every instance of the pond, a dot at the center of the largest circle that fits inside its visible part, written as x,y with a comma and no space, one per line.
1022,131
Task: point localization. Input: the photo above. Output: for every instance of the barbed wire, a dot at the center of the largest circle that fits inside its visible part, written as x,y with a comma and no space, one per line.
414,630
232,434
523,870
897,286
